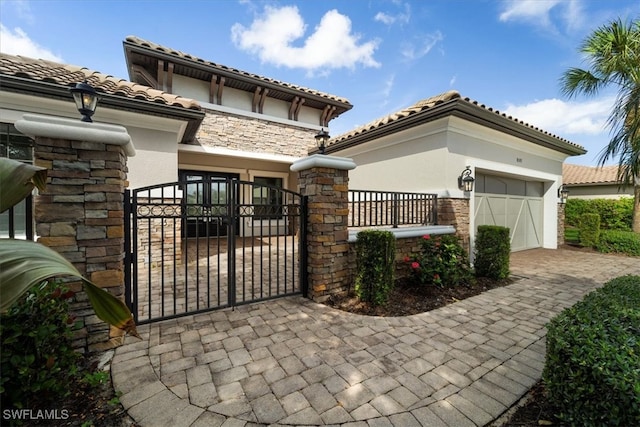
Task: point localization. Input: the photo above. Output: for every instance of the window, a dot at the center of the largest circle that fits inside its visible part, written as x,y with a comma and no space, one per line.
267,197
17,222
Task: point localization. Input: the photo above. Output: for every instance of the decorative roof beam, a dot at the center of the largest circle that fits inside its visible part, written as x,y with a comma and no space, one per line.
160,79
294,109
298,107
145,75
212,88
259,95
220,87
170,78
327,114
263,97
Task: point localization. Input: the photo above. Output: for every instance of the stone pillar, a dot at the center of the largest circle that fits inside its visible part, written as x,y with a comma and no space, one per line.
455,212
561,217
324,180
81,212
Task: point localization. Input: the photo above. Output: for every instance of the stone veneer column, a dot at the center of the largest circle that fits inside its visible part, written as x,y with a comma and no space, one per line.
455,212
81,212
324,180
561,218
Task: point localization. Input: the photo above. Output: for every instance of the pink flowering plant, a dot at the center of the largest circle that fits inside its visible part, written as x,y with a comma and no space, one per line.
442,261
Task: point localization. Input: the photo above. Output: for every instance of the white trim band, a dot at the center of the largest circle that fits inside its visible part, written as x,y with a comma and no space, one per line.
323,161
57,127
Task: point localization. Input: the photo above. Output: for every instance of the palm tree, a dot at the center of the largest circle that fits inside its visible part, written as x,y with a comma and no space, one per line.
613,54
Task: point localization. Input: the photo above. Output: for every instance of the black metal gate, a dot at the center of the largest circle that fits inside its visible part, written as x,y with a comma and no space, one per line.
199,245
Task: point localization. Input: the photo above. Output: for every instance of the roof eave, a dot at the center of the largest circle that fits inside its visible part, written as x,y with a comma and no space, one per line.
61,92
468,111
133,47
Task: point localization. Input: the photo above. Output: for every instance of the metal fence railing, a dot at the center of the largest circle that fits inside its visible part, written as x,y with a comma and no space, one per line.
390,208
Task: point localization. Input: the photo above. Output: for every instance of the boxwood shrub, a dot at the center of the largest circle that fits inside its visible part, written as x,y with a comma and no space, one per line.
375,255
492,252
625,242
589,229
592,369
615,214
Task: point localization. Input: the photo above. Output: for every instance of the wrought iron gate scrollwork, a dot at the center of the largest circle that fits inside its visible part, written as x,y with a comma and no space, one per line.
199,245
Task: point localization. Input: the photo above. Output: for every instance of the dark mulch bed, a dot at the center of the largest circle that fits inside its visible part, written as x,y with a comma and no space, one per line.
537,411
408,298
96,406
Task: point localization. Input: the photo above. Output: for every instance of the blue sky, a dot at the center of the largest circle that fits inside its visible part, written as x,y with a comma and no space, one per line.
382,55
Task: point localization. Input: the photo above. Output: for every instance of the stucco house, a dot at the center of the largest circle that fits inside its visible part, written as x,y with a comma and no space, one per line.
191,119
425,148
188,118
589,182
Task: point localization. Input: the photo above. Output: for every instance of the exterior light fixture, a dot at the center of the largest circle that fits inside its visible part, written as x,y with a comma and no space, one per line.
321,140
465,180
563,194
86,100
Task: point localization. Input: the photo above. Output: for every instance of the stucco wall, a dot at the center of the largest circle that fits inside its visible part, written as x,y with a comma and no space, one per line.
242,100
156,156
599,192
430,157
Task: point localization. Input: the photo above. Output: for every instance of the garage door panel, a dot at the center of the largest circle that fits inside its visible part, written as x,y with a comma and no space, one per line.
522,215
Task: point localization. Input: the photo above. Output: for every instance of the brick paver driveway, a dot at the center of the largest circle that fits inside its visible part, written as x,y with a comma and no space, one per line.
294,362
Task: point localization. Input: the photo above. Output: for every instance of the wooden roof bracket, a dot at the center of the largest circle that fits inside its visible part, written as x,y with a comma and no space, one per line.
259,95
212,88
263,97
146,76
160,79
220,87
327,115
294,109
170,77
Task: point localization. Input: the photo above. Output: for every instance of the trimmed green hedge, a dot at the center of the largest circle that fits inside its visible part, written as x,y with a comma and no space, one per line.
615,214
589,229
492,252
624,242
375,255
592,369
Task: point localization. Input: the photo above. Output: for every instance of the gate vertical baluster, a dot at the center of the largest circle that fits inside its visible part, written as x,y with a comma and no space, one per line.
127,254
231,259
302,243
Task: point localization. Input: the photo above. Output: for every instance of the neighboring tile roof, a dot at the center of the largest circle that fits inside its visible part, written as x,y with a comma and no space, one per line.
154,46
427,104
69,75
576,174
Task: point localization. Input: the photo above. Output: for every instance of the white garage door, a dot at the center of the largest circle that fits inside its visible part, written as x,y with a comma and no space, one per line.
512,203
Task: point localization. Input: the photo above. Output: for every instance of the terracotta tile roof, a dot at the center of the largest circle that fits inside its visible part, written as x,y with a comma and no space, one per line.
576,174
428,104
168,51
69,75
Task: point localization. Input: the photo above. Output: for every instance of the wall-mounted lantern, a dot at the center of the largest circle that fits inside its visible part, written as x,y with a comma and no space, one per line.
321,140
86,100
465,180
563,194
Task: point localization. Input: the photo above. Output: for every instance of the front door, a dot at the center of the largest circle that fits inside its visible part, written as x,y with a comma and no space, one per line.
206,198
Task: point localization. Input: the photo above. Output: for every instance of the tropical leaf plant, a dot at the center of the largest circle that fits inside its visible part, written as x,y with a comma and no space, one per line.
24,264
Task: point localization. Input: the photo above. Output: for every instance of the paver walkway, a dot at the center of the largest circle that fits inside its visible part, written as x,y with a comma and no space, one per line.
293,362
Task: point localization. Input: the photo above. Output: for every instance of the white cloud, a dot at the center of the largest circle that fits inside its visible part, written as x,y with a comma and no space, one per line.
415,51
538,12
453,79
332,45
17,42
565,118
401,18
